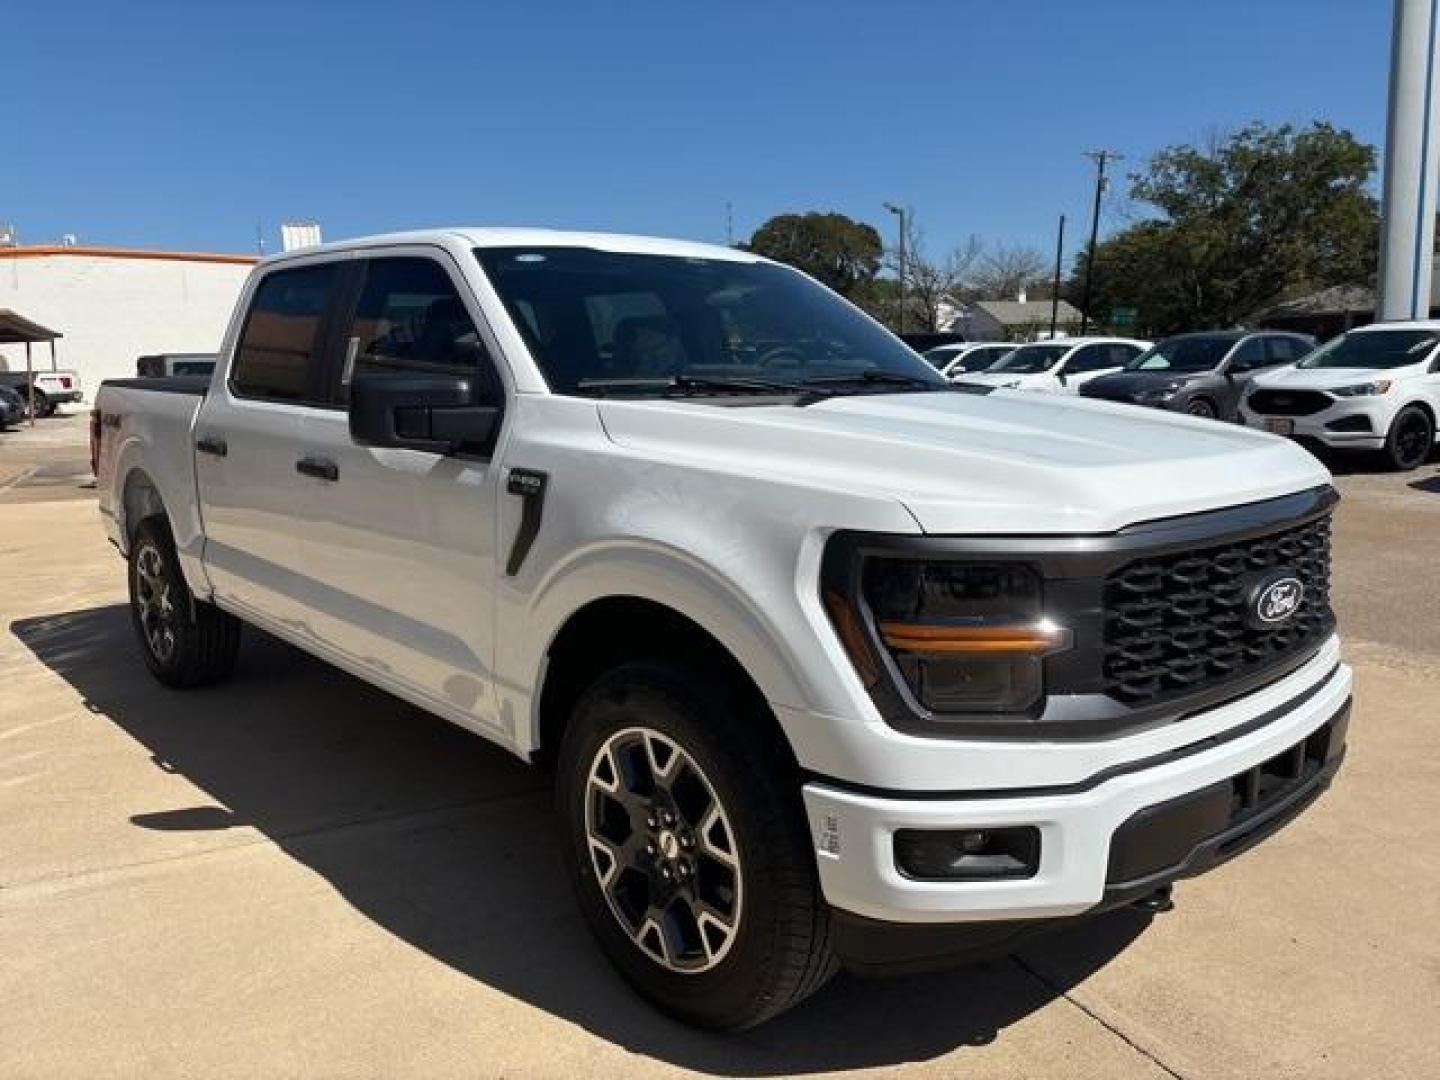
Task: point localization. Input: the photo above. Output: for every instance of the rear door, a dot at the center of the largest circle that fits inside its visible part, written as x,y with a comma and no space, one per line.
246,437
399,545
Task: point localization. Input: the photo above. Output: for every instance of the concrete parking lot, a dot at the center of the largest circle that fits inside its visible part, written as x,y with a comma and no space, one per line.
294,874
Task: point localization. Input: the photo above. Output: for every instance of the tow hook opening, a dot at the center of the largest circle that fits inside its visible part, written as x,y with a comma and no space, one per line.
1157,902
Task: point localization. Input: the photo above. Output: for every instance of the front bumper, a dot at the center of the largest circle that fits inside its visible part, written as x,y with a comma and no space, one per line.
1100,839
1361,423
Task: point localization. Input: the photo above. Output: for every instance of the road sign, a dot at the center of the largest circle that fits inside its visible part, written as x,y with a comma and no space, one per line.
1123,316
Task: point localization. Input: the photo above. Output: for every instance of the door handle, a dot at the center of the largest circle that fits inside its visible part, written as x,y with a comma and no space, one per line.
209,444
322,468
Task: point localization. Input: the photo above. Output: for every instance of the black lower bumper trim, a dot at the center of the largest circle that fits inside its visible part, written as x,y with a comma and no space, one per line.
1188,835
1176,839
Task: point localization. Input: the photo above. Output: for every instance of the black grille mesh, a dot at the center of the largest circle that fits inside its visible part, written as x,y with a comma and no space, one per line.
1176,624
1289,402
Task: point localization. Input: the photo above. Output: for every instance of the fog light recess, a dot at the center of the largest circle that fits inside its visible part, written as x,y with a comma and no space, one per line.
968,854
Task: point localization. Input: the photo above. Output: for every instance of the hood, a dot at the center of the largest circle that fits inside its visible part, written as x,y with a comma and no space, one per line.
1295,378
1002,378
1140,380
980,463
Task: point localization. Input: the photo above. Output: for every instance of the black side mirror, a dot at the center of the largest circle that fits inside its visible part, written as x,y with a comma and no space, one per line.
437,413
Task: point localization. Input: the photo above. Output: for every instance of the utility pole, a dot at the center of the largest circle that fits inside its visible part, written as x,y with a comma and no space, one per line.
1100,157
899,211
1407,212
1055,288
259,240
729,224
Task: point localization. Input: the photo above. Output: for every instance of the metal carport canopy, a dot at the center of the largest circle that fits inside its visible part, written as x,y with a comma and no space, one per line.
14,329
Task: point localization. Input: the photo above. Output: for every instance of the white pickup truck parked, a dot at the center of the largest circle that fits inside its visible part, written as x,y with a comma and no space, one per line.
835,662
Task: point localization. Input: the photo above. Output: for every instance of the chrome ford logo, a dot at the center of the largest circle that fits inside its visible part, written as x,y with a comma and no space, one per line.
1275,597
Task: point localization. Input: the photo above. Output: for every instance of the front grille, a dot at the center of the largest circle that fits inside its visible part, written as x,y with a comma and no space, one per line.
1289,402
1178,624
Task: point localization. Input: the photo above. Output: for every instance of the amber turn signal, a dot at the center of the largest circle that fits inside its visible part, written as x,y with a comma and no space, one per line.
942,639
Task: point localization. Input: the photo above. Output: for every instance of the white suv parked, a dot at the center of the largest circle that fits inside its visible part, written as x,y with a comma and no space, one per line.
1060,367
1375,387
835,663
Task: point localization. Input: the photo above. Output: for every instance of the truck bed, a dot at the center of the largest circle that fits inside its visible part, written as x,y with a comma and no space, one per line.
164,384
145,461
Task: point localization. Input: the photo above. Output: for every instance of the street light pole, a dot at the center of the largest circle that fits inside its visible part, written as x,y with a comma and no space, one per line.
1100,157
899,211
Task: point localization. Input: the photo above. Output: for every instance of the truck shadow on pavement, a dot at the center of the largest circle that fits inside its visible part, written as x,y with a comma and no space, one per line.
449,844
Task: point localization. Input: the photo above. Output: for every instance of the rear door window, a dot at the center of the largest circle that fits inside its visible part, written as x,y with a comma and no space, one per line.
278,357
1089,358
1121,354
1284,350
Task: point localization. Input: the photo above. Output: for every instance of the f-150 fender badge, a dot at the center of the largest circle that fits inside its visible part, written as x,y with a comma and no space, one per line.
530,485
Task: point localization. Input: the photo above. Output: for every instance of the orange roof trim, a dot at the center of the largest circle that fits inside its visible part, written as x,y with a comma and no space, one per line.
126,253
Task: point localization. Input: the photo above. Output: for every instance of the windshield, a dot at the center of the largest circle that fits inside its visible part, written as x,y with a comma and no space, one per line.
1029,359
592,317
1184,354
1373,349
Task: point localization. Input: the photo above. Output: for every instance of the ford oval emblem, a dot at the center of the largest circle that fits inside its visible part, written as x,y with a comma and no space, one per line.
1275,598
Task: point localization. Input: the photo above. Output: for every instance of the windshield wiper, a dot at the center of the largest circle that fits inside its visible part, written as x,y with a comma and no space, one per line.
692,384
873,377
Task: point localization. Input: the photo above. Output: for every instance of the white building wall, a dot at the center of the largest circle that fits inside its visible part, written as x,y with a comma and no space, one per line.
115,308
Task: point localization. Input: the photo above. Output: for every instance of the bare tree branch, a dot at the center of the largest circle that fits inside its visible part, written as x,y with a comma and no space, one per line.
929,282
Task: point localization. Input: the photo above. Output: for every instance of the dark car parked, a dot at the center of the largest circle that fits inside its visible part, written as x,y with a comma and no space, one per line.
1203,374
12,407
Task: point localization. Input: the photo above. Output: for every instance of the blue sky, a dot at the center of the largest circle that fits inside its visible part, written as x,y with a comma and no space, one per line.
184,124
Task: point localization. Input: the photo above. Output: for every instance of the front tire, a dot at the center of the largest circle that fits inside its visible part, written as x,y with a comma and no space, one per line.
1202,407
687,844
1411,437
185,642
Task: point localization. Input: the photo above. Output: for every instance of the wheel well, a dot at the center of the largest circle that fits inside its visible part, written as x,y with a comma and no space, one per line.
140,501
1423,406
606,633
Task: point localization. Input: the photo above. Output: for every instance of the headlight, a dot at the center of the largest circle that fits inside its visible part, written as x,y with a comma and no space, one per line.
1159,393
1369,389
964,637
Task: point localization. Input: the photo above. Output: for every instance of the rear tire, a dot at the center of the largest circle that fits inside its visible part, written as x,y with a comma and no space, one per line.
44,407
1411,438
687,843
185,642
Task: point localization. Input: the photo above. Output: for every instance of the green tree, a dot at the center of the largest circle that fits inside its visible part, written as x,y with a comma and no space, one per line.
1267,213
841,252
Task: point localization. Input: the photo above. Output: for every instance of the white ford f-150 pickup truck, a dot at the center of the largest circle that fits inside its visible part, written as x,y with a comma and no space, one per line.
835,662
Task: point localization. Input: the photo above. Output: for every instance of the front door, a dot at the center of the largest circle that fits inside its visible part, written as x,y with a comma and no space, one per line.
399,545
1251,356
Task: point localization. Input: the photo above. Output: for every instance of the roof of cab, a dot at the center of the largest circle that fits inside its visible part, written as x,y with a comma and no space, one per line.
489,237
